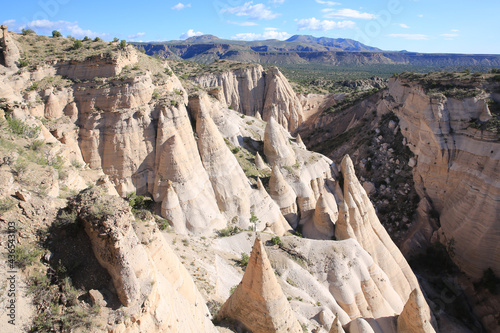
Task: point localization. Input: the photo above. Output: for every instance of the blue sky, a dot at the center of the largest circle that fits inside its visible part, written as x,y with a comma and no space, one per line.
414,25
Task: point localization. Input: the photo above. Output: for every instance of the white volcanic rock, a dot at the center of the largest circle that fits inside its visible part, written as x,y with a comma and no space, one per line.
360,325
258,93
228,180
457,169
172,211
336,326
242,89
258,302
281,102
284,196
358,220
416,317
180,164
299,141
276,146
11,52
268,212
259,162
151,282
322,226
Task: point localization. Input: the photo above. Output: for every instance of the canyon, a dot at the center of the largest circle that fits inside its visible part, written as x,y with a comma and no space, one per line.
274,237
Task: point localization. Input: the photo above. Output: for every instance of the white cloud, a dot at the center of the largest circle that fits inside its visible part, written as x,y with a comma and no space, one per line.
254,12
180,6
269,33
243,24
190,33
420,15
455,30
410,36
347,13
45,27
323,25
328,3
8,22
449,36
137,35
402,25
276,2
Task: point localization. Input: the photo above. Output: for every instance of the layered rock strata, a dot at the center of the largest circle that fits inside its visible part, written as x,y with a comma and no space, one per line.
255,92
456,170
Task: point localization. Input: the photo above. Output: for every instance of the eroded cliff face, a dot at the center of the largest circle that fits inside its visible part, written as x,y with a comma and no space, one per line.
153,286
255,92
456,170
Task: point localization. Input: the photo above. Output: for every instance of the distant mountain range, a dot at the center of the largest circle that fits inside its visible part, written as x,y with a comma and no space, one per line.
305,49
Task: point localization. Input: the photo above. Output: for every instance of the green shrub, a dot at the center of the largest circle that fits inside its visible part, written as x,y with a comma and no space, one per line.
235,150
77,44
20,128
276,241
36,144
229,231
101,210
56,33
23,63
20,168
56,162
28,32
97,39
26,255
6,204
233,289
33,87
253,220
66,218
86,38
163,224
76,164
123,44
139,201
243,262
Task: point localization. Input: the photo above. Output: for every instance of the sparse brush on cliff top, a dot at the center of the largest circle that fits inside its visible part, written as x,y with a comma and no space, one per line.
60,49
